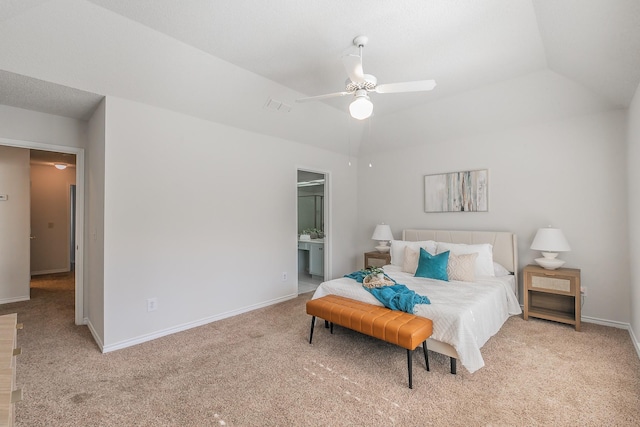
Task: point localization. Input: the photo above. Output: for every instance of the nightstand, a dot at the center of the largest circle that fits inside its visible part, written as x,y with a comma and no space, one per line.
552,294
376,259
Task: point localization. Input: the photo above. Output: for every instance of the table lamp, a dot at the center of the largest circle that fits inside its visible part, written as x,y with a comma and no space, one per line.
382,234
550,241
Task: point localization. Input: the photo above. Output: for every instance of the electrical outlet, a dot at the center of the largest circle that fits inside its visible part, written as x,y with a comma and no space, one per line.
152,304
284,276
583,290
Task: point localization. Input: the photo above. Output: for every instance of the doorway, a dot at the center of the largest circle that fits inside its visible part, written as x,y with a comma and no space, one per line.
312,229
52,211
79,214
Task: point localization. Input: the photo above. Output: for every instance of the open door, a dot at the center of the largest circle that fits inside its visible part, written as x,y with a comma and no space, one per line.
14,225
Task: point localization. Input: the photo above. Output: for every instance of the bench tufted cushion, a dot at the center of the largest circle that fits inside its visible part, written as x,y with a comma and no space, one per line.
396,327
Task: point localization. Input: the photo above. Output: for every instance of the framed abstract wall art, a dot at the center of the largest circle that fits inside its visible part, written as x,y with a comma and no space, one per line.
457,192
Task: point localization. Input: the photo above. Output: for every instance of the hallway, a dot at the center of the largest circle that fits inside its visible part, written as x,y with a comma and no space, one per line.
53,282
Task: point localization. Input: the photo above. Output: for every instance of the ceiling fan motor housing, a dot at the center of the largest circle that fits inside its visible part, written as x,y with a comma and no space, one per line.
369,83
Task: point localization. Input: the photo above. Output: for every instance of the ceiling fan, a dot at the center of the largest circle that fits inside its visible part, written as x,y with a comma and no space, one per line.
359,84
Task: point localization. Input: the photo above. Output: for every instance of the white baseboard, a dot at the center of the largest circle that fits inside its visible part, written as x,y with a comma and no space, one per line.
604,322
635,341
55,270
14,299
95,335
148,337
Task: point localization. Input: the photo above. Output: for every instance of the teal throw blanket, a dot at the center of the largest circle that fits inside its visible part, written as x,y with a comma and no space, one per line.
398,297
395,297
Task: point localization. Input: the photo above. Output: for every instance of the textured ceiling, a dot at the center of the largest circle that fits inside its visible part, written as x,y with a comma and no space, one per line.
38,95
512,60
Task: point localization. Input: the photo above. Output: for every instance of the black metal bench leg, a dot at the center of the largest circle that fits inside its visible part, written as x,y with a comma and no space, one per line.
453,365
426,356
326,324
313,322
409,368
331,323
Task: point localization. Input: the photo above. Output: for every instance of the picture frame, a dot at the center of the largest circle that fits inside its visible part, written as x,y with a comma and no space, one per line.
465,191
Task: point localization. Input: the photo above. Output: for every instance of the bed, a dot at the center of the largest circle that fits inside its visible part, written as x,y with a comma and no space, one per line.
464,314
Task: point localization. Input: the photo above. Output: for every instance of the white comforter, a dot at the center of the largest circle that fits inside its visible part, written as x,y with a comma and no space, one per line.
465,315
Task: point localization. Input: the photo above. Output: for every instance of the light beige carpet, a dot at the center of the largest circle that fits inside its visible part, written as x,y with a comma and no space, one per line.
257,369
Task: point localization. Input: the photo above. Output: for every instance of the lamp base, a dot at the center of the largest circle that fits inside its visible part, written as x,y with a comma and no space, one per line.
383,248
549,263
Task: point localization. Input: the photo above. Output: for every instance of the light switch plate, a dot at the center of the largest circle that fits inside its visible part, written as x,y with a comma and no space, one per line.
4,197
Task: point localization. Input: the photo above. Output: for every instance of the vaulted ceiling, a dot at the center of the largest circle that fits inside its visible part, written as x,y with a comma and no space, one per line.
498,63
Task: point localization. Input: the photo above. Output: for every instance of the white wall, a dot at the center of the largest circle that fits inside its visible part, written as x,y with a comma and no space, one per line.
27,125
569,173
50,218
633,160
94,225
14,225
185,223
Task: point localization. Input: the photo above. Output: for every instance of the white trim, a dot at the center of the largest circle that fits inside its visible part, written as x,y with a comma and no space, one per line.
328,241
95,335
604,322
79,153
328,220
79,258
14,299
185,326
635,341
597,321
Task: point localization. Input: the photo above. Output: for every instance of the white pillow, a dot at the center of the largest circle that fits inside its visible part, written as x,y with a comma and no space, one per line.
484,262
397,249
500,270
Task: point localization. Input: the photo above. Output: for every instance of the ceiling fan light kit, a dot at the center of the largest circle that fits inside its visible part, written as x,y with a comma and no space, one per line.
362,107
360,84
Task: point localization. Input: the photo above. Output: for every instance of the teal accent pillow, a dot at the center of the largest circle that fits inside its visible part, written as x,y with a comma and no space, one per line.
433,266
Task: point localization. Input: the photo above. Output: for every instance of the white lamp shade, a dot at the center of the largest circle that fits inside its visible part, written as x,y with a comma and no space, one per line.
550,240
361,108
382,232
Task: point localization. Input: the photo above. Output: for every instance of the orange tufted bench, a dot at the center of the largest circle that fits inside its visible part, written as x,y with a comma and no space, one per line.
396,327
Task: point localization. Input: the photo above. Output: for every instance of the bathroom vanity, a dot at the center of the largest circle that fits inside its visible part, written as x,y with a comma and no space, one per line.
311,257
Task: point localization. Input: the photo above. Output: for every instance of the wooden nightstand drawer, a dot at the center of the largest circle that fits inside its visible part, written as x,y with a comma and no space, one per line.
561,284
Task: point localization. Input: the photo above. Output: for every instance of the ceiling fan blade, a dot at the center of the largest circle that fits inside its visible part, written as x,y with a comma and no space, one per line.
417,86
353,65
319,97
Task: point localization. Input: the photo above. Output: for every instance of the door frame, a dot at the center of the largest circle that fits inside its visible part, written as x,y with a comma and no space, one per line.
328,242
80,185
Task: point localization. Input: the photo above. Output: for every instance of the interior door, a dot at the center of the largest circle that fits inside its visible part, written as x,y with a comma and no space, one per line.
14,225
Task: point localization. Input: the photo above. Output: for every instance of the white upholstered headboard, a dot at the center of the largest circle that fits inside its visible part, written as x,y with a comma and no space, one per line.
505,244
